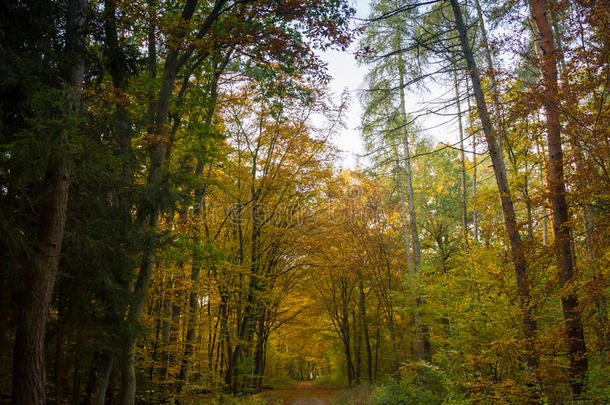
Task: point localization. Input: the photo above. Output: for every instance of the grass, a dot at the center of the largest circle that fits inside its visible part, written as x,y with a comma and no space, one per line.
359,395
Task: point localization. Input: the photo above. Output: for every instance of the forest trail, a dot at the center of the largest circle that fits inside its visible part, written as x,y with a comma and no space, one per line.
302,393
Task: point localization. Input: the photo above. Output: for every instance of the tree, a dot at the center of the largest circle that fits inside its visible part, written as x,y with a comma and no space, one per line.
41,272
562,234
386,108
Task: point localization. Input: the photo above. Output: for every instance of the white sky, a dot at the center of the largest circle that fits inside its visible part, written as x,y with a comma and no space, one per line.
347,75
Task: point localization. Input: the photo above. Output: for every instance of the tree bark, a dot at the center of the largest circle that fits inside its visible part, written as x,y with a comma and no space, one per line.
193,310
259,353
98,379
423,340
148,209
365,330
492,76
562,240
462,161
517,252
40,275
346,336
475,214
357,349
405,217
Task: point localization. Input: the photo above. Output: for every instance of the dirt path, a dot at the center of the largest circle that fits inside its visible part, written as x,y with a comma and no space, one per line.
302,393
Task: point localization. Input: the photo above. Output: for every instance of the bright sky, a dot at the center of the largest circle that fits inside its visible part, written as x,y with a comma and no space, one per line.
347,75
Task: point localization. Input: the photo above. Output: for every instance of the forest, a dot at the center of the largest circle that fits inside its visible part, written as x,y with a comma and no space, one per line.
178,226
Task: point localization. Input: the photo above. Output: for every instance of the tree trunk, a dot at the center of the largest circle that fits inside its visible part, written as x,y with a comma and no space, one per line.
193,310
602,332
562,241
246,328
517,253
40,275
148,211
423,340
365,331
462,161
495,94
259,354
347,339
405,217
138,301
376,351
357,350
98,379
475,214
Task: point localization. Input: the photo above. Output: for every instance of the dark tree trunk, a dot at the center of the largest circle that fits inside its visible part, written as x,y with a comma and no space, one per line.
197,259
39,277
98,379
357,349
149,212
365,331
348,358
259,353
562,241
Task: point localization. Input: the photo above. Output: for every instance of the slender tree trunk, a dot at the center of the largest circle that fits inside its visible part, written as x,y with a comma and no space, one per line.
544,183
603,335
423,340
365,330
601,306
390,320
135,313
475,214
528,204
149,211
166,317
347,337
103,361
259,354
357,349
517,252
98,379
495,93
40,275
405,217
562,241
376,351
223,338
197,259
462,160
246,328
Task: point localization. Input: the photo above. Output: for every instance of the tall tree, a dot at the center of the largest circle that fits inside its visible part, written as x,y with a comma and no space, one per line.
512,228
561,227
40,274
462,159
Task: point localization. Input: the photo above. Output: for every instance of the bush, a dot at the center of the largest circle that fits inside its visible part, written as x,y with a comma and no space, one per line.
280,382
423,385
329,381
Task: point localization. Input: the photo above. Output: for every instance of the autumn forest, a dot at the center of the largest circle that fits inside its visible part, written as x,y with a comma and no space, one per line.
178,224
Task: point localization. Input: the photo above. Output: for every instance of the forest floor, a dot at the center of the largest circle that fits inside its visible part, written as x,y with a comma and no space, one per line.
302,393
